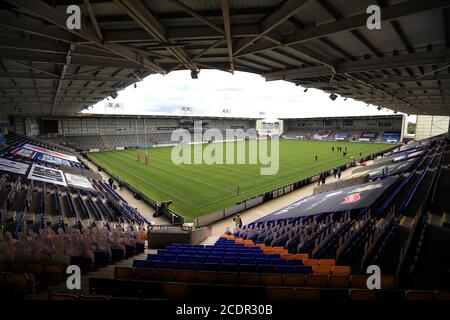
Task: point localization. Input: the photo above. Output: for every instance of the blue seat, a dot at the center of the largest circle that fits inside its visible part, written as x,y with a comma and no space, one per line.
184,258
302,269
273,256
232,254
215,259
247,260
200,259
142,264
234,260
193,266
167,258
177,265
246,255
262,261
295,262
279,261
283,268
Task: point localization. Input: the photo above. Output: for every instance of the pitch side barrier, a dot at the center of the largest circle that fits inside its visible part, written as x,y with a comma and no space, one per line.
251,202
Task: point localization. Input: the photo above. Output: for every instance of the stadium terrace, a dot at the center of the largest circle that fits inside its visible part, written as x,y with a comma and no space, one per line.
183,211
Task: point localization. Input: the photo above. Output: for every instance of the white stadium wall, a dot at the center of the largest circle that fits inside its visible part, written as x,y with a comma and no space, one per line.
429,126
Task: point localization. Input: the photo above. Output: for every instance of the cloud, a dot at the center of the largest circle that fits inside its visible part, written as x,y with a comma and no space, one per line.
245,94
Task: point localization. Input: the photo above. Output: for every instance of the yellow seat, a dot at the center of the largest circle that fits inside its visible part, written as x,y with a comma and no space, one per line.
416,295
316,280
187,276
271,279
323,270
279,293
307,294
362,294
123,273
294,280
175,290
144,273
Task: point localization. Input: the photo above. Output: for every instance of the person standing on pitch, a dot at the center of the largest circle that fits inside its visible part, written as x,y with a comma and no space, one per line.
316,158
110,181
238,221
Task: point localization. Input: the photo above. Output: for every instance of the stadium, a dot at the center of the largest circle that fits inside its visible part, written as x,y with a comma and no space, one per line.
99,206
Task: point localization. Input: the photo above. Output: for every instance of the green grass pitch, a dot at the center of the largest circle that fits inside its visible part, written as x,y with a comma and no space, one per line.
198,189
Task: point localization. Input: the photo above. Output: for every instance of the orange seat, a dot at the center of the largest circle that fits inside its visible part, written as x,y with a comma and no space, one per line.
341,270
62,297
187,276
288,256
327,262
279,293
338,281
144,273
294,280
260,245
442,295
92,298
227,277
311,262
307,294
3,266
249,278
20,283
175,290
164,275
206,276
17,267
271,279
269,251
416,295
387,282
35,268
316,280
324,270
239,240
358,281
362,294
123,273
302,256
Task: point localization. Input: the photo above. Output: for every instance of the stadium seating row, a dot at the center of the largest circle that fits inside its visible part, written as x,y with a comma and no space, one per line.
338,279
224,292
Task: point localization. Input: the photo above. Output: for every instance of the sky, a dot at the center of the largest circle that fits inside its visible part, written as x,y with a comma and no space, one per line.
243,94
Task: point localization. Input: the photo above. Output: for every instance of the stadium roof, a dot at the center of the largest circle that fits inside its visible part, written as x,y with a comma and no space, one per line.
47,69
161,116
